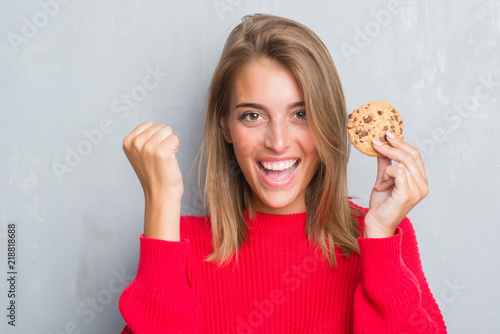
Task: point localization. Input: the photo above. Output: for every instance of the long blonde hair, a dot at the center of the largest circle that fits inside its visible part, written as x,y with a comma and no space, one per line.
330,219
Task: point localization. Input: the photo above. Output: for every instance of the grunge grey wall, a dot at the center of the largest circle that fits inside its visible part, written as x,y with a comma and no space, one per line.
77,76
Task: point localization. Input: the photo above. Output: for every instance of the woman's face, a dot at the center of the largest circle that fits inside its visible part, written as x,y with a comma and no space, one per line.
268,127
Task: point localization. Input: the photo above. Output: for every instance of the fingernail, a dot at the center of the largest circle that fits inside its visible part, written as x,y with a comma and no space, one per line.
390,135
376,142
379,181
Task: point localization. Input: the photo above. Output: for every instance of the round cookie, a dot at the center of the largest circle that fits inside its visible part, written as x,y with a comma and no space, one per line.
371,121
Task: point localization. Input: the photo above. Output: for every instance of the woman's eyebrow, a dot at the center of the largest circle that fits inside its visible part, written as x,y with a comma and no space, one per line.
260,107
250,105
296,104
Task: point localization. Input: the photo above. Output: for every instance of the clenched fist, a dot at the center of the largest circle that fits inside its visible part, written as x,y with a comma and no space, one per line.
151,150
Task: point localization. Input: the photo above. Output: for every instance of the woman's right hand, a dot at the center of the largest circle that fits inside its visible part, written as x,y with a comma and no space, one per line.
151,150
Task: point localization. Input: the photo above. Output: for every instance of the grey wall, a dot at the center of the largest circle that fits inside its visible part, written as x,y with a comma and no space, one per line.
76,78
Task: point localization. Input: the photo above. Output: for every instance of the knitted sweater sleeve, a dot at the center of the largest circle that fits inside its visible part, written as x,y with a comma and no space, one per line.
159,299
394,296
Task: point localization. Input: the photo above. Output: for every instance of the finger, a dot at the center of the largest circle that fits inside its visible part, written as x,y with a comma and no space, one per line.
401,178
144,138
408,188
414,152
386,180
149,132
382,185
139,129
153,138
403,152
170,144
417,186
160,134
382,163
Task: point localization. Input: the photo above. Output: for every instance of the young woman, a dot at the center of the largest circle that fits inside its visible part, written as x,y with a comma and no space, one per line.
283,249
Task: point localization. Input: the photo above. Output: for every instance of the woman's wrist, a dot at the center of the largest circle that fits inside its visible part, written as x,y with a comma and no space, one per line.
158,197
162,217
378,233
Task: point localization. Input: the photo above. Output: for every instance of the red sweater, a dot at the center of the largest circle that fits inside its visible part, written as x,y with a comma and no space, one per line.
280,285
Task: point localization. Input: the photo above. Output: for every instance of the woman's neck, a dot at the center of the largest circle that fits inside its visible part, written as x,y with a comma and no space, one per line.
297,206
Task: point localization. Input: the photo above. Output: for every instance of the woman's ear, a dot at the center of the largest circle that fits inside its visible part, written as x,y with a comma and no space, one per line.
225,129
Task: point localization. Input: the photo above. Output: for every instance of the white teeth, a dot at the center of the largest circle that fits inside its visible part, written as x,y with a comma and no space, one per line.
281,165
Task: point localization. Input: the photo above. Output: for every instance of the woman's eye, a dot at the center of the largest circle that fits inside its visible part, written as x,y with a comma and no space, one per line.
252,116
301,114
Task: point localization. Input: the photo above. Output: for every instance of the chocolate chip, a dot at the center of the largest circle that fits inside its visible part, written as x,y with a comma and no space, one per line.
367,119
350,115
355,119
380,112
386,128
393,128
349,127
363,134
400,122
394,111
383,138
396,118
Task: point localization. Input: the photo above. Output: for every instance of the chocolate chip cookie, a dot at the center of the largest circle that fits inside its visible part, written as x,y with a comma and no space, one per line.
371,121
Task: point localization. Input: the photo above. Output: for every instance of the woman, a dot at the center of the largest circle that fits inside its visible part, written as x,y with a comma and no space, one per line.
283,250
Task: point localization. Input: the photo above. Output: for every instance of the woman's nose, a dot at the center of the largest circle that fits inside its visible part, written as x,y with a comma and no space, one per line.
277,137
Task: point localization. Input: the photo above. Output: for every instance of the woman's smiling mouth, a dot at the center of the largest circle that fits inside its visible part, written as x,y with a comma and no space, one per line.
278,173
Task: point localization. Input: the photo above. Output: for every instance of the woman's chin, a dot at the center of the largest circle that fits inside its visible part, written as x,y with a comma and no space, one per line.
279,206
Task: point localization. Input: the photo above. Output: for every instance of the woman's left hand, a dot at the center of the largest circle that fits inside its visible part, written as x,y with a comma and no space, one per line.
398,187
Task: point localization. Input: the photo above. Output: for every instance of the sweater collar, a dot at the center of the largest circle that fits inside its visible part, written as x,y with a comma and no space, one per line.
272,223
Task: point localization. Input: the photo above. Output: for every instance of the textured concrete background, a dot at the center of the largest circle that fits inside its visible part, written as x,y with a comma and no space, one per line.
77,76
